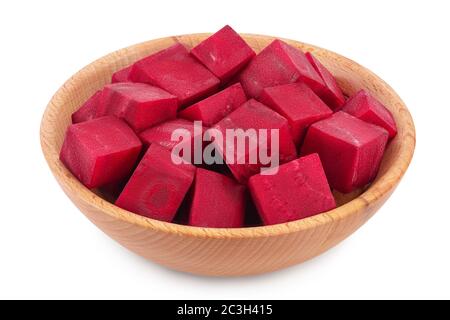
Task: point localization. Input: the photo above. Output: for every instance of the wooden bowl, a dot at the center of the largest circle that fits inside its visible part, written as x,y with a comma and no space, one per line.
227,252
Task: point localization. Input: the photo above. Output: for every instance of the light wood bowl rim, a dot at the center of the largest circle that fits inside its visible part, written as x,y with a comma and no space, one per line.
381,187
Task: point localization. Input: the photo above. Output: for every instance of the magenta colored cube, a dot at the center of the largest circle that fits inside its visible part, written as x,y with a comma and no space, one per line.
162,134
214,108
217,201
365,107
331,93
89,110
279,63
296,190
254,115
176,71
224,53
351,150
158,185
298,104
139,104
123,75
100,151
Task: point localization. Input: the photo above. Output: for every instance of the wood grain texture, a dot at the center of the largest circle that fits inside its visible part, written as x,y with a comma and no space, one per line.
227,252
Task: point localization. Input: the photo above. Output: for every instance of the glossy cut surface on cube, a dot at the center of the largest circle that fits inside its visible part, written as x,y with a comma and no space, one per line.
217,202
100,151
158,185
299,189
123,75
365,107
214,108
279,63
224,53
176,71
331,93
89,110
139,104
350,149
298,104
255,115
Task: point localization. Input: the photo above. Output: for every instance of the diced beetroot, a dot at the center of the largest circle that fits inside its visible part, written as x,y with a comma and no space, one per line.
177,72
100,151
123,75
162,134
218,201
277,64
298,190
158,185
255,115
350,149
89,110
224,53
298,104
331,93
365,107
214,108
139,104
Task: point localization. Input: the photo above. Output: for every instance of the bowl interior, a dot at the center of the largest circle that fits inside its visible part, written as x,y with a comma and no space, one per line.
350,76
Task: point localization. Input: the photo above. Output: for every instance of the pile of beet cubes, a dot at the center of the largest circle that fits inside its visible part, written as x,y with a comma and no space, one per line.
120,138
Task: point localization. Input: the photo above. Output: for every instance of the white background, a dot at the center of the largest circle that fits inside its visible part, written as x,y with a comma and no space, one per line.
48,249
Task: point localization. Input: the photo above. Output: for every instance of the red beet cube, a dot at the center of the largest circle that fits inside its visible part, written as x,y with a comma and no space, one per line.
224,53
162,135
254,115
177,72
350,149
100,151
331,93
214,108
298,104
158,185
365,107
299,189
123,75
139,104
217,202
279,63
89,110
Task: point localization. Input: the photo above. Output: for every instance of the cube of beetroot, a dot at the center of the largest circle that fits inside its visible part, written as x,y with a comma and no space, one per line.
253,115
123,75
158,185
350,149
365,107
89,110
217,202
162,135
224,53
214,108
298,104
177,72
277,64
298,190
331,93
100,151
139,104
